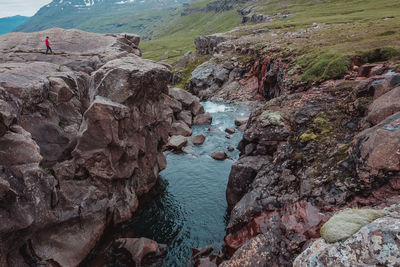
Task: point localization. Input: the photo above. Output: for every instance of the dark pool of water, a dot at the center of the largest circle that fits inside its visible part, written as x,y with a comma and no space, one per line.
190,210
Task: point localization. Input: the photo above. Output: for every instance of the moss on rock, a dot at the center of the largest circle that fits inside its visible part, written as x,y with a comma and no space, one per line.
273,117
307,136
346,223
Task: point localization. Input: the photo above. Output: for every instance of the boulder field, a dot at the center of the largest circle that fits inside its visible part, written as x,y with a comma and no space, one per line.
81,138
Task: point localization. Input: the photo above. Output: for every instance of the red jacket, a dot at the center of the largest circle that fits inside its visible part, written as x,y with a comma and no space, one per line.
47,42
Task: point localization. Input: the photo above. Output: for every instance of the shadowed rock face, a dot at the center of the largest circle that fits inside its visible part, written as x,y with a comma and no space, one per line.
81,137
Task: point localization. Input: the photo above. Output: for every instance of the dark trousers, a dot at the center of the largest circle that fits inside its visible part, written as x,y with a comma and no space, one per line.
48,49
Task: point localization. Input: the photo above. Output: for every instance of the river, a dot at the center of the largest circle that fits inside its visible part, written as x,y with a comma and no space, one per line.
190,209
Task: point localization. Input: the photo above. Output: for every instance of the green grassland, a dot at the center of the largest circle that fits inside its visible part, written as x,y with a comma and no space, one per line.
348,28
177,37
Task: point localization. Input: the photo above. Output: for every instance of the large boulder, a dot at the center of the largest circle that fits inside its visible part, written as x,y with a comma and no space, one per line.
207,77
376,244
180,128
186,98
177,142
384,106
376,154
204,118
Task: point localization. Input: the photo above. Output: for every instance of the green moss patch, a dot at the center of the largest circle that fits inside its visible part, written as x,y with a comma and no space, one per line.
324,67
308,136
346,223
273,117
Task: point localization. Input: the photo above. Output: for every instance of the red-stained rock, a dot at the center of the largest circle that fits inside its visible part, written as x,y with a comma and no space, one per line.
301,219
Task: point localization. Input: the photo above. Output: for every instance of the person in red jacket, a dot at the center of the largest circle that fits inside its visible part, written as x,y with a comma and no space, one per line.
47,42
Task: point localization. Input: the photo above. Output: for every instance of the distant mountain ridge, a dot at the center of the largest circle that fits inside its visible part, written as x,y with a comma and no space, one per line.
103,16
8,24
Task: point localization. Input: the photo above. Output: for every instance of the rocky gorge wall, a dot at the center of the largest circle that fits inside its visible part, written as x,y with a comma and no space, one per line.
308,152
81,137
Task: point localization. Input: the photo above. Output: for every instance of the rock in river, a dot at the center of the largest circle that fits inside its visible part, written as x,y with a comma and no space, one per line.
205,118
198,139
219,155
177,142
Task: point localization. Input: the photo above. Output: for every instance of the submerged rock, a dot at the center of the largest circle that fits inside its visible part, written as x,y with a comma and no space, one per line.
230,130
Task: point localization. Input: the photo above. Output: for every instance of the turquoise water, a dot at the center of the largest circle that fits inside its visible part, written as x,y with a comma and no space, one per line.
190,209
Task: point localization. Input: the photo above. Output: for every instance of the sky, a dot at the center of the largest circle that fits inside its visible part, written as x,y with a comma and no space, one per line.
28,8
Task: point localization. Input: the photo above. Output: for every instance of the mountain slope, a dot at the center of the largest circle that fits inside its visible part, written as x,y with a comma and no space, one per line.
103,16
10,23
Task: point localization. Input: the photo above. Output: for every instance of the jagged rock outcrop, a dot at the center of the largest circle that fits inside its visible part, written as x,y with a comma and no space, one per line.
206,45
81,137
304,156
266,77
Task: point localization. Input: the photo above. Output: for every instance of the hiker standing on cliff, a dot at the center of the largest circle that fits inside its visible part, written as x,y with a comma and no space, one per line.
48,48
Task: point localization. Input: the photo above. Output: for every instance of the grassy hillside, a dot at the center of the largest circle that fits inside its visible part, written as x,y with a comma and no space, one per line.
346,27
176,38
105,16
